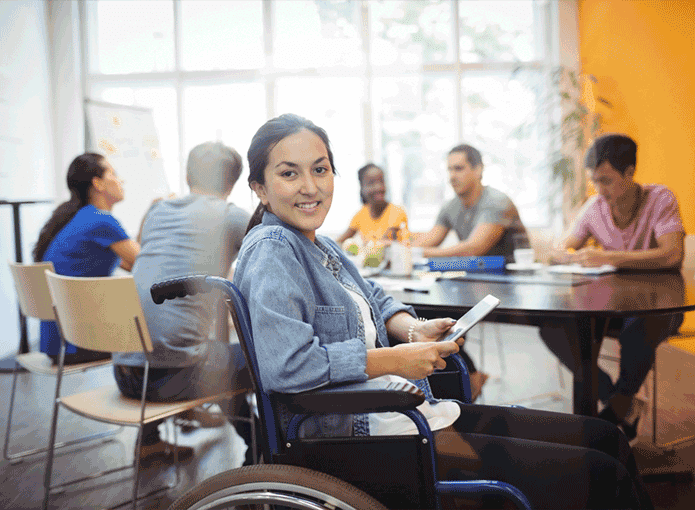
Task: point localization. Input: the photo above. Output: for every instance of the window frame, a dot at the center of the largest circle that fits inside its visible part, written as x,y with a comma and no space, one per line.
554,19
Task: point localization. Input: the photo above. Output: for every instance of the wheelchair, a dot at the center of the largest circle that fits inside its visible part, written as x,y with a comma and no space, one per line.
358,473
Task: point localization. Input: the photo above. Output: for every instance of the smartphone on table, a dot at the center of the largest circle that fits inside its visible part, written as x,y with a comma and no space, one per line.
471,318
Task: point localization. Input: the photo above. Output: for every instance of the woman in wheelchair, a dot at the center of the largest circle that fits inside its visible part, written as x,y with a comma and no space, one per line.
318,322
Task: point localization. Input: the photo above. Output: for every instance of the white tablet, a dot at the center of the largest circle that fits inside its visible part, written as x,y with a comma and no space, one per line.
471,318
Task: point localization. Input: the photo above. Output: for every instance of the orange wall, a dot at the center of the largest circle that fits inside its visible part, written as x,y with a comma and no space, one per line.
643,54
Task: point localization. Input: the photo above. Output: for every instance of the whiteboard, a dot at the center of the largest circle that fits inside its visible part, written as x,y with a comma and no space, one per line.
126,135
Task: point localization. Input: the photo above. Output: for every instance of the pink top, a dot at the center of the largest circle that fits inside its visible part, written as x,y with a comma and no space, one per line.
658,215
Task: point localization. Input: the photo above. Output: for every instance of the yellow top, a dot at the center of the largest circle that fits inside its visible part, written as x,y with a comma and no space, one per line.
375,229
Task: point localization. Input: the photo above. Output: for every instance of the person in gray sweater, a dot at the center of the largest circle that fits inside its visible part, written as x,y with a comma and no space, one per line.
199,233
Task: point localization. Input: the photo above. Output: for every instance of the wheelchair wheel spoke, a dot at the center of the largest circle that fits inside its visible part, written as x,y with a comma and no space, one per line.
275,487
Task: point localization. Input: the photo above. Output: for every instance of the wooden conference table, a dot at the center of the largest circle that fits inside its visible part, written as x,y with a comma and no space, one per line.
589,301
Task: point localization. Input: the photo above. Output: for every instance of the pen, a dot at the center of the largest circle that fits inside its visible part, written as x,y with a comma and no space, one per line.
421,291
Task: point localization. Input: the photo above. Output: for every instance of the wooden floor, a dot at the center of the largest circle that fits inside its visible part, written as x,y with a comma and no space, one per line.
526,374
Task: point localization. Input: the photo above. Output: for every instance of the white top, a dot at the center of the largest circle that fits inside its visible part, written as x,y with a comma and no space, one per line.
439,415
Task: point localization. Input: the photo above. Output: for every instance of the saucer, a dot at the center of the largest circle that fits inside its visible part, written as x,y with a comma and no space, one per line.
530,267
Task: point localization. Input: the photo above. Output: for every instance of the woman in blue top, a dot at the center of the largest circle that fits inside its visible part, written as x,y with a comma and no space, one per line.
82,239
318,322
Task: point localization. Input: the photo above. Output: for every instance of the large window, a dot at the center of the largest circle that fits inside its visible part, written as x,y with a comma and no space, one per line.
397,82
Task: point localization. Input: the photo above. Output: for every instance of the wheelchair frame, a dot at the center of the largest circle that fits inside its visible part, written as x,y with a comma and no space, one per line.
382,478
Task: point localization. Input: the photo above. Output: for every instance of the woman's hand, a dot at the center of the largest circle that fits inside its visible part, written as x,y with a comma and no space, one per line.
400,324
412,361
432,330
593,257
419,360
559,255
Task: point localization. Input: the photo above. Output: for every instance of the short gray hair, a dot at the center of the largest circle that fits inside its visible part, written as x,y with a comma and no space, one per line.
213,166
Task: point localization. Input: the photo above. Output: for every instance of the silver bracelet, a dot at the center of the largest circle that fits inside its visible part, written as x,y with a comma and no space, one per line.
411,329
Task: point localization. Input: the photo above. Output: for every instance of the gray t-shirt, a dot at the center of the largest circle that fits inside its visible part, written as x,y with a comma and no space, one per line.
195,234
493,207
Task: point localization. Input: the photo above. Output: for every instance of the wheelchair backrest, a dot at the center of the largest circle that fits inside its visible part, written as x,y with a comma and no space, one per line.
393,485
242,323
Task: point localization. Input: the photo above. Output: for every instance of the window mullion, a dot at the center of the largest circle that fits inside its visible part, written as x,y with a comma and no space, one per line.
269,68
458,100
178,87
367,112
84,58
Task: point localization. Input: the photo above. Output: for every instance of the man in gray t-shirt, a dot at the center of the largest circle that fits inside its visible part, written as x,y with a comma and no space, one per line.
485,219
199,233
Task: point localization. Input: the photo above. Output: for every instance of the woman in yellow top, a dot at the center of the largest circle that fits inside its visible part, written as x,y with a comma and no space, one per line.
378,219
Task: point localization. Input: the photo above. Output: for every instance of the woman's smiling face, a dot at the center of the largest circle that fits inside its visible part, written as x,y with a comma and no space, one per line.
374,186
298,185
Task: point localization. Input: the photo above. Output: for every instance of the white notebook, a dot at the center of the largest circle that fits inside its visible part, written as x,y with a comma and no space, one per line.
577,269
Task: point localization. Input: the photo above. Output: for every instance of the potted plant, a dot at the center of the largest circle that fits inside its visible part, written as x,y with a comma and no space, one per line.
574,124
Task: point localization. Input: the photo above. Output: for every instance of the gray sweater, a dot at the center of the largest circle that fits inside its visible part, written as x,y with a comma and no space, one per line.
194,234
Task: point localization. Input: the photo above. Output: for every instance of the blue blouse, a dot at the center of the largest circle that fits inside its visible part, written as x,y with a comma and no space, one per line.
81,248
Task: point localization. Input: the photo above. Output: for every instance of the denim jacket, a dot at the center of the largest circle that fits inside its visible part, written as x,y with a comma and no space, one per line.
308,330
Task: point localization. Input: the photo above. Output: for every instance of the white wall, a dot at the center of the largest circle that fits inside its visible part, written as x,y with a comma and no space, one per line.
35,55
65,62
26,148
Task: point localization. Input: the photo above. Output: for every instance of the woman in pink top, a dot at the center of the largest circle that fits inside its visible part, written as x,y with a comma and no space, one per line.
637,227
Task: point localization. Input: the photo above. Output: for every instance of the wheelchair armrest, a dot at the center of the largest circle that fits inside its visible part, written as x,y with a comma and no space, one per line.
352,398
453,382
178,287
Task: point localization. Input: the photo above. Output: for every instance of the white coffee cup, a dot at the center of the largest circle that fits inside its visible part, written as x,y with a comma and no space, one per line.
401,259
524,257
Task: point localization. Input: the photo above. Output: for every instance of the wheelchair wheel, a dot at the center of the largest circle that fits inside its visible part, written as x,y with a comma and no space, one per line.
275,486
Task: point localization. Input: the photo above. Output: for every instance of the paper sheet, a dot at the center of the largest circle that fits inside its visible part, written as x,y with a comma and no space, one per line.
407,284
577,269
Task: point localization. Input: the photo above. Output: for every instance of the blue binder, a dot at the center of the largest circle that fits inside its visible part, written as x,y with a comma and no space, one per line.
481,264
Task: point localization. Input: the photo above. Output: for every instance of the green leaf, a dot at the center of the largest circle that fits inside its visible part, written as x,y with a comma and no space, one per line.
563,169
573,116
596,125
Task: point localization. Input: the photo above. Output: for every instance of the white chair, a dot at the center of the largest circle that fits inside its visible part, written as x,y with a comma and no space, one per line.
541,240
35,301
494,328
685,341
104,314
682,348
610,351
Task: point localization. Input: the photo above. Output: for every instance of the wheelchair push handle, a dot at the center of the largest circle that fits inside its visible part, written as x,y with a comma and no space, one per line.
178,287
